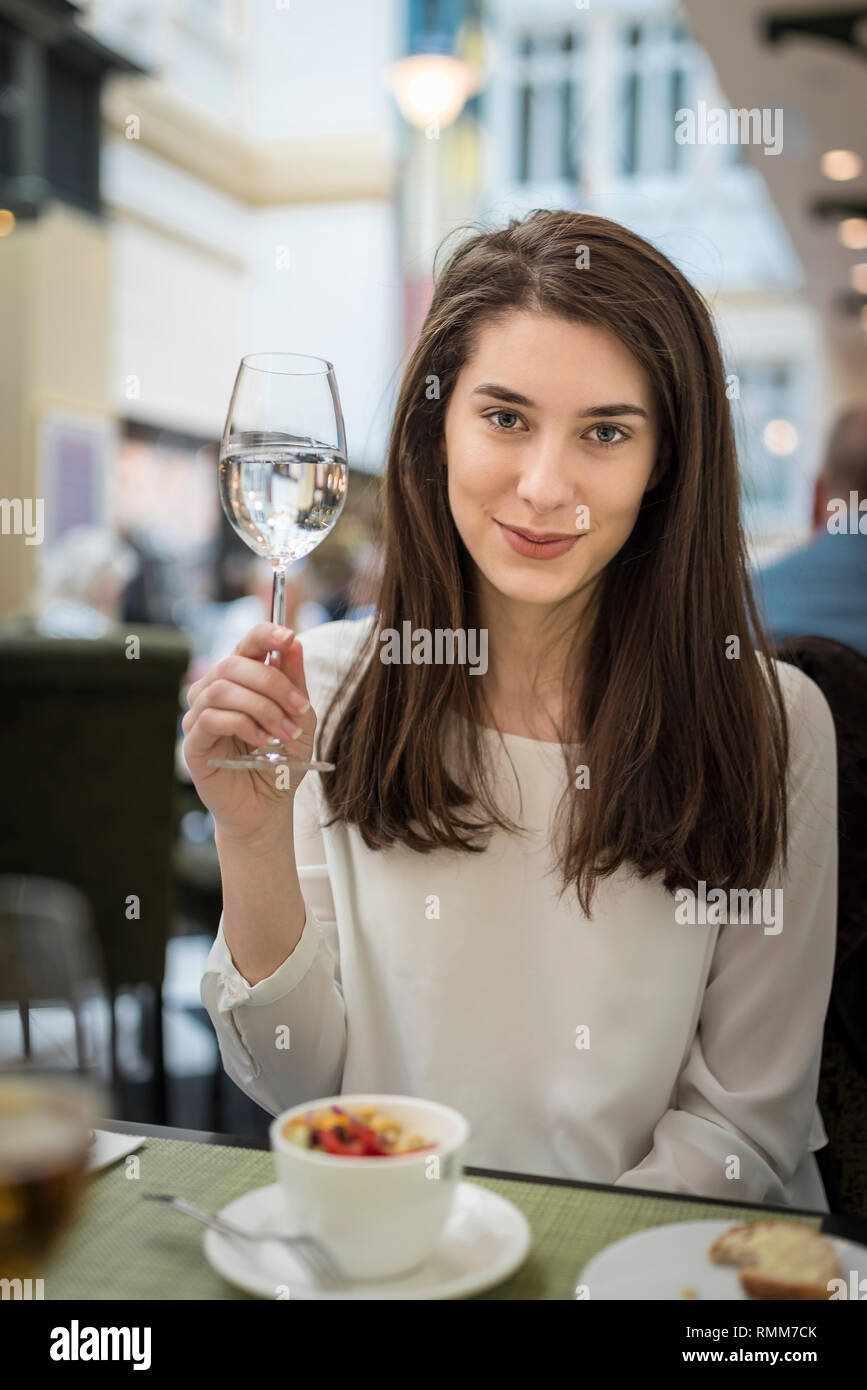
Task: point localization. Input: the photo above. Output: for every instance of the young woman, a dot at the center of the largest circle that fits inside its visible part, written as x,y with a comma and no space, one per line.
582,886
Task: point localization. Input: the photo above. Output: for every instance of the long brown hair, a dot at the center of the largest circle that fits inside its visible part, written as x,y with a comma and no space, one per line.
683,729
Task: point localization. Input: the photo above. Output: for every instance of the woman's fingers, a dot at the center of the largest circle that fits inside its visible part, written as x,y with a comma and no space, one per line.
213,725
252,671
264,638
245,698
258,642
225,694
269,681
292,665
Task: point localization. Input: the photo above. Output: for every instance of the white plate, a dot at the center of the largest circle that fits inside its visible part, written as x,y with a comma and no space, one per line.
659,1263
485,1239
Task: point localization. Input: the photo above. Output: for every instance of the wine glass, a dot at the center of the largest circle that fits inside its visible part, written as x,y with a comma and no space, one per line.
283,480
55,1064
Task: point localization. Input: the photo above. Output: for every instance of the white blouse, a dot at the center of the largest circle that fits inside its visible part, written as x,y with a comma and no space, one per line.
632,1048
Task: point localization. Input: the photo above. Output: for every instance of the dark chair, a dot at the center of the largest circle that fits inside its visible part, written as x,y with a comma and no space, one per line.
49,957
87,742
841,675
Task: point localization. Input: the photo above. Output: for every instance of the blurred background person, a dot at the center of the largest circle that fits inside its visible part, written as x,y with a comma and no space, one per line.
83,582
820,589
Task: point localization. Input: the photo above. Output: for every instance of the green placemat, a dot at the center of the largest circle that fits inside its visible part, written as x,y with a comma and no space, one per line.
123,1248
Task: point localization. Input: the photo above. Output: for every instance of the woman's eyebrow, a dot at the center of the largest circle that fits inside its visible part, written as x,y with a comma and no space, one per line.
504,393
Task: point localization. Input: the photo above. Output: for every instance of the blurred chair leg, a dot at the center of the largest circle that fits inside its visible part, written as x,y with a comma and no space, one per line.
116,1090
830,1181
80,1040
216,1121
159,1088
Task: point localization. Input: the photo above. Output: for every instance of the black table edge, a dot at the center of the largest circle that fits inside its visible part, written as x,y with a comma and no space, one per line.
833,1223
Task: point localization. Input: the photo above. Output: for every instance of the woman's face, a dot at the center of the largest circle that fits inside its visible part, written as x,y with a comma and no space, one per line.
550,431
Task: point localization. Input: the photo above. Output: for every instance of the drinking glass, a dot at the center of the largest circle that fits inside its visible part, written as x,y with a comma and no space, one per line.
283,480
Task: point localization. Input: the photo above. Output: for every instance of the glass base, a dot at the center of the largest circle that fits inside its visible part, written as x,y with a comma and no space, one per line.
276,756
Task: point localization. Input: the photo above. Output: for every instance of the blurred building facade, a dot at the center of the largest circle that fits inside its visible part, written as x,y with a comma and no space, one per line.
245,202
259,191
581,112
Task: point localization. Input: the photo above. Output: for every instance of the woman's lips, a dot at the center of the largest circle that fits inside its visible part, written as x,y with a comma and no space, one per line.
536,550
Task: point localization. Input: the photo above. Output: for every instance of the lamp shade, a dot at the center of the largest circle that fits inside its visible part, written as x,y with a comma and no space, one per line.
432,87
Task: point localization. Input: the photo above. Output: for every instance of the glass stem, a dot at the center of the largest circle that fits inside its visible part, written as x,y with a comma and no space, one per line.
278,605
278,615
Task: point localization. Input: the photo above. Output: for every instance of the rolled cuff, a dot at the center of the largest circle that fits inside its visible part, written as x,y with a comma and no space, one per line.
233,990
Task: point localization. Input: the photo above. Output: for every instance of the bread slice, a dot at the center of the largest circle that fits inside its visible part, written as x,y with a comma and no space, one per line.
778,1259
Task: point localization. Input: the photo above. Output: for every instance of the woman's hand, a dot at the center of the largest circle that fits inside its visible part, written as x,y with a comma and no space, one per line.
238,705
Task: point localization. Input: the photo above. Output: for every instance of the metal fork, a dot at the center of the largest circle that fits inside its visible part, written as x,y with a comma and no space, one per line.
311,1252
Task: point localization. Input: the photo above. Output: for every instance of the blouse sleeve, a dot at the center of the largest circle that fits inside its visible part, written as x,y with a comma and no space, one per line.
748,1088
283,1040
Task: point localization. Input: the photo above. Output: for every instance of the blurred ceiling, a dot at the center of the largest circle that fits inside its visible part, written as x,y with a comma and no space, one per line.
810,59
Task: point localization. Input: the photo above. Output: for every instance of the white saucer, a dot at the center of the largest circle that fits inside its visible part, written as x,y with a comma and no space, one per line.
661,1262
485,1239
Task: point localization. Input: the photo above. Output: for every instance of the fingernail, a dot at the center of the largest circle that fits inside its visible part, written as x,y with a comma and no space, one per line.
289,728
299,702
281,633
298,733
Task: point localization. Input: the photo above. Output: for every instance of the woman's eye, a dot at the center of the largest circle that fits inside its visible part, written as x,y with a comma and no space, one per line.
609,431
505,419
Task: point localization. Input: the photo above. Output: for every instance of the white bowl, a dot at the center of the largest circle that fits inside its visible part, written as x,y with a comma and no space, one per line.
380,1216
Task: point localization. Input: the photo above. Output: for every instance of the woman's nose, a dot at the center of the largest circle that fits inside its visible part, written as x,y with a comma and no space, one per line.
547,478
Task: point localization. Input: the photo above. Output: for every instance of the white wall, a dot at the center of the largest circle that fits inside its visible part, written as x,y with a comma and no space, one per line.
135,179
319,68
338,298
177,321
200,280
197,283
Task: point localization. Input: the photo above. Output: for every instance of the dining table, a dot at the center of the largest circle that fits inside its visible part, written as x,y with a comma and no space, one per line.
121,1247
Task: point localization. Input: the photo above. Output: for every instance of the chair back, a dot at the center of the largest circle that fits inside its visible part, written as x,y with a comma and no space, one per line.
87,747
841,674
